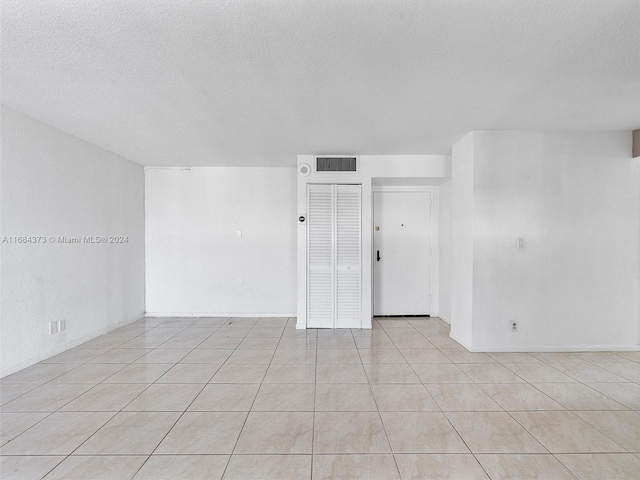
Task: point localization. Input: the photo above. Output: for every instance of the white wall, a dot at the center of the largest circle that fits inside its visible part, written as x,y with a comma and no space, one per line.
194,257
575,199
394,170
54,184
444,303
462,240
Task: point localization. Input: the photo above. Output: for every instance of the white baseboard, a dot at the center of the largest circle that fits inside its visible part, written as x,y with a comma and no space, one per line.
220,314
446,319
16,367
554,348
544,348
303,326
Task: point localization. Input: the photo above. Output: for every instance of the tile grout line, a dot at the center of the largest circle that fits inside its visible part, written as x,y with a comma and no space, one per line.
122,409
473,382
443,412
446,416
384,428
254,398
87,362
185,410
315,396
125,406
62,406
203,387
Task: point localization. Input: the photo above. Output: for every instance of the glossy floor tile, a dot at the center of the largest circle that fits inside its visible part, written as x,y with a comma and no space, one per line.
135,433
519,396
622,427
344,397
60,433
565,432
172,467
277,397
13,424
598,466
422,432
268,467
519,467
373,467
462,397
276,432
164,398
349,432
81,467
403,398
440,466
203,433
22,467
493,432
224,397
244,398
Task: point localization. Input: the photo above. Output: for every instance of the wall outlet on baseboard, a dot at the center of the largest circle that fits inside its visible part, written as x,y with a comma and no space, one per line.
513,326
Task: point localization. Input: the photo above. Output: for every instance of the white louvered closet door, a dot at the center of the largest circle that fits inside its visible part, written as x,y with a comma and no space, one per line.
320,256
333,256
348,256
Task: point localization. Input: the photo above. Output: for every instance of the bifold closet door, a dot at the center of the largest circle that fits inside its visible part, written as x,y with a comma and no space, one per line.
320,256
348,297
333,256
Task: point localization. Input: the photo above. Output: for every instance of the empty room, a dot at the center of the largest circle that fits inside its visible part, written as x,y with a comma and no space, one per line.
320,239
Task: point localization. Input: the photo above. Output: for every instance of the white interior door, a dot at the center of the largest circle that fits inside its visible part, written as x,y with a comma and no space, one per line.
402,253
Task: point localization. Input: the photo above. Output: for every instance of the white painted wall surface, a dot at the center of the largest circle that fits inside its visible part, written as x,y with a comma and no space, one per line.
394,170
462,240
54,184
194,256
445,251
575,200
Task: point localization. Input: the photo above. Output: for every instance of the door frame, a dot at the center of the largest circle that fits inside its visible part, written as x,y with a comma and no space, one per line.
435,240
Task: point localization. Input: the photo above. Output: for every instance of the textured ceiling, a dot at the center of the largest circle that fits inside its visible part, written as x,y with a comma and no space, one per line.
255,82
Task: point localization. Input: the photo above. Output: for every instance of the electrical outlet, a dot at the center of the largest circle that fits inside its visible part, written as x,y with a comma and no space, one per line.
513,326
53,328
62,325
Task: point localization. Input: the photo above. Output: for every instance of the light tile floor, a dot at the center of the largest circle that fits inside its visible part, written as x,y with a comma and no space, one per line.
244,398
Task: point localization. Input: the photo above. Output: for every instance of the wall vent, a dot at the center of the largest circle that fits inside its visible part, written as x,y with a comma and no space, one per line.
336,164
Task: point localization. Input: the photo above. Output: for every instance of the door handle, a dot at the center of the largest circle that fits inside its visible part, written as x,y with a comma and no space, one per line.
378,256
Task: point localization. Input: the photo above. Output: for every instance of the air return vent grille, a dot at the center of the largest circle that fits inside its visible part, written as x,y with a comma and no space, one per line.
336,164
